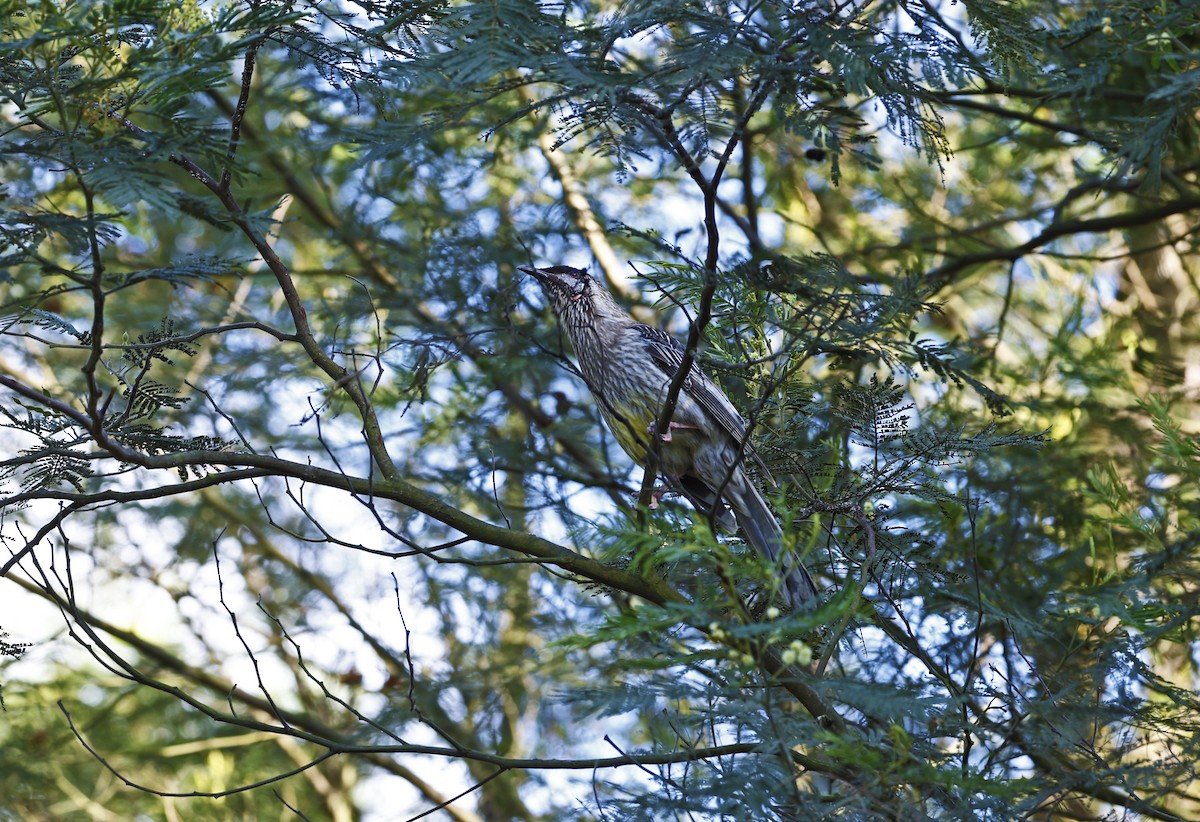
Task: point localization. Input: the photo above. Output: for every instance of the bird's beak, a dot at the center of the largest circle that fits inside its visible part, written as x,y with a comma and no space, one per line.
533,272
545,278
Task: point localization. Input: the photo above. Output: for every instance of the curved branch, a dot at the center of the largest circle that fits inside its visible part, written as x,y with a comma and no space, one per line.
943,275
395,489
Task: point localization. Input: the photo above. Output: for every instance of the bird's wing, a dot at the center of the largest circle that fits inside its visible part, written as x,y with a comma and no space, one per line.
667,354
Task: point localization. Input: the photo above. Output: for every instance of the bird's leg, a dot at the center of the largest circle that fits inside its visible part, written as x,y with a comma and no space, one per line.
671,426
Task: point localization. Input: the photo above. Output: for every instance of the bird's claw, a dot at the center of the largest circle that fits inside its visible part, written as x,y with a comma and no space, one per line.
666,437
656,495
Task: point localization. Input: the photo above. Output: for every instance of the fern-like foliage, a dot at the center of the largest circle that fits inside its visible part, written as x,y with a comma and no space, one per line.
51,469
823,310
895,457
613,80
154,344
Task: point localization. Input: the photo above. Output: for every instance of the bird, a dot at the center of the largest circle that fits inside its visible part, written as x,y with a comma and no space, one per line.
628,366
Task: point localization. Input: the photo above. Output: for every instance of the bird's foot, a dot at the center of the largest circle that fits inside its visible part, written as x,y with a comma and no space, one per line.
671,426
656,495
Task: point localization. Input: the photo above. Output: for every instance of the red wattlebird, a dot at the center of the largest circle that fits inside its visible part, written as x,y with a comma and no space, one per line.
629,366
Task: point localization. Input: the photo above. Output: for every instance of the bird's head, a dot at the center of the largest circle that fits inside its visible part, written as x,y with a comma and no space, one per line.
576,298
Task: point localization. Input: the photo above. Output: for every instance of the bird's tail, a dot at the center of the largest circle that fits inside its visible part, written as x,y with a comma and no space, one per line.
758,523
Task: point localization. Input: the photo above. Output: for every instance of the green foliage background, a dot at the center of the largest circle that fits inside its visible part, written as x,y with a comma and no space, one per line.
306,515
